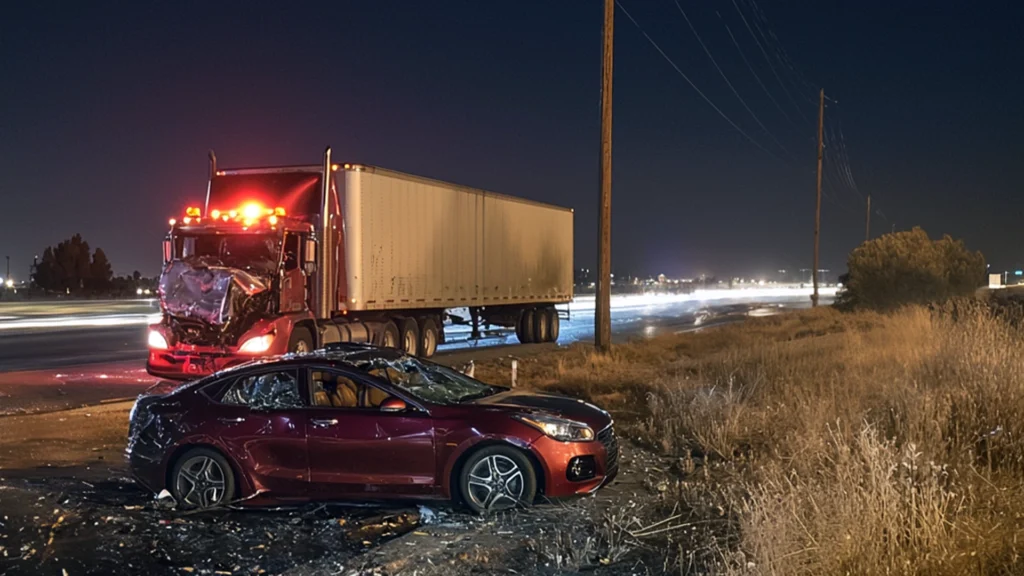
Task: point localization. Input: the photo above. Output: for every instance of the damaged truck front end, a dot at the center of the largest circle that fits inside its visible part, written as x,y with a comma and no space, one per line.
219,295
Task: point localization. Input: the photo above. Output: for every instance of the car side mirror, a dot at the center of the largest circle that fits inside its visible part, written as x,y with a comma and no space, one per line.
393,404
167,251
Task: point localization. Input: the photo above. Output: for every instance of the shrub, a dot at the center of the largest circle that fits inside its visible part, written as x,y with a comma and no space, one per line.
907,268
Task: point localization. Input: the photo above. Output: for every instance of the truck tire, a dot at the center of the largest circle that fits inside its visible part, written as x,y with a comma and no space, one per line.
409,339
429,336
554,325
301,341
540,325
389,338
524,330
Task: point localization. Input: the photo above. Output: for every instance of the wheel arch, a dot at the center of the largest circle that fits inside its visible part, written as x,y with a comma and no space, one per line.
310,325
459,461
242,486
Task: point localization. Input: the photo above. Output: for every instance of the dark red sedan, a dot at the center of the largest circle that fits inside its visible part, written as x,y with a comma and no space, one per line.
356,422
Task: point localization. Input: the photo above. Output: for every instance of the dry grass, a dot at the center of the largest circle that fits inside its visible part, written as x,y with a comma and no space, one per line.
849,443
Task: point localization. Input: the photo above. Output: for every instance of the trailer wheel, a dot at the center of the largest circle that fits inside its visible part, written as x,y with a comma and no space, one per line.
301,341
554,325
409,341
524,330
541,321
429,336
389,337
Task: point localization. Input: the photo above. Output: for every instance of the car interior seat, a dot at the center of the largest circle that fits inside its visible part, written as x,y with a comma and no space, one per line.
345,394
374,396
320,396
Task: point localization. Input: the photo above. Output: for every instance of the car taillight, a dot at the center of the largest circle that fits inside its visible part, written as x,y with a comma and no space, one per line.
257,344
157,340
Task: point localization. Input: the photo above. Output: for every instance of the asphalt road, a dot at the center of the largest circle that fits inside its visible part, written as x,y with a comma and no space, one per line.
68,355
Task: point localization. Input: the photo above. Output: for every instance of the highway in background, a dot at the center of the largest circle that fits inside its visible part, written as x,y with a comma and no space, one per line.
67,354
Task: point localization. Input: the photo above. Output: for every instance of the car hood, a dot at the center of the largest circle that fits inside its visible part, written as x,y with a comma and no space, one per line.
571,408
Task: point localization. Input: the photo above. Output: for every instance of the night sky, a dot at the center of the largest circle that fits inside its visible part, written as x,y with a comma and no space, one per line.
107,112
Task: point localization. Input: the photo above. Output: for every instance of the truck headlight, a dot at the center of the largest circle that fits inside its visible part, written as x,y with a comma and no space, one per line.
257,344
559,428
156,340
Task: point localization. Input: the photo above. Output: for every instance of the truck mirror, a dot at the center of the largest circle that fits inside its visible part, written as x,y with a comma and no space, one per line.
309,257
309,254
167,251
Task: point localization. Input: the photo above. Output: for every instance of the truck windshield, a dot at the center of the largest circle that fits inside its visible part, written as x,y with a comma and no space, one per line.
251,252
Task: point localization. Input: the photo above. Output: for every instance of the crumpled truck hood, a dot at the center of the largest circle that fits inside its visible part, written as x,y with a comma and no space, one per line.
213,294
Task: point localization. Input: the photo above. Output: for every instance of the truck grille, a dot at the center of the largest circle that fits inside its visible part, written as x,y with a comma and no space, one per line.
611,446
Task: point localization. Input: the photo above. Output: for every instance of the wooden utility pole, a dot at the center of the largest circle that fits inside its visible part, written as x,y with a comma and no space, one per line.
867,221
602,306
817,208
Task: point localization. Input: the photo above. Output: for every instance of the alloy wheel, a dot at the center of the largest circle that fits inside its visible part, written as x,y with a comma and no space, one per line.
496,483
201,482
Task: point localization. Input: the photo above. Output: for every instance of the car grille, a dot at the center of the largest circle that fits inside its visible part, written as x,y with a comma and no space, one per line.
611,446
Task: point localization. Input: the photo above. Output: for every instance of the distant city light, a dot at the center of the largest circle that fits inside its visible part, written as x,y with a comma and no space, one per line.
10,283
138,291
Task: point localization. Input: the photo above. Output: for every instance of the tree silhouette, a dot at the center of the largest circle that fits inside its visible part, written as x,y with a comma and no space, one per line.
100,271
71,267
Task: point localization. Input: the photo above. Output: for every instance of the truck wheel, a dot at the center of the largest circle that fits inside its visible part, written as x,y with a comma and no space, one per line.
301,341
389,338
524,330
540,325
554,325
429,337
410,337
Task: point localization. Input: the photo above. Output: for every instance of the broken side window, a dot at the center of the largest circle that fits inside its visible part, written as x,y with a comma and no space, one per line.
268,391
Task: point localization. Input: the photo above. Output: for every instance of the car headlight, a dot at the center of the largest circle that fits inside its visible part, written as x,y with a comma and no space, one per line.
559,428
156,340
257,344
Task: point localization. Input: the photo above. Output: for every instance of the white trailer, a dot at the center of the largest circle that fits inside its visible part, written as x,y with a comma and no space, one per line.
413,243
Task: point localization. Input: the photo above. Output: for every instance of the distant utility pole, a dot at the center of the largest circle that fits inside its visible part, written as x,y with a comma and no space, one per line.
867,221
817,208
602,309
8,277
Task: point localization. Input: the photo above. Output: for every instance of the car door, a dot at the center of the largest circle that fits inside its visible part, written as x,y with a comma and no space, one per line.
261,422
355,449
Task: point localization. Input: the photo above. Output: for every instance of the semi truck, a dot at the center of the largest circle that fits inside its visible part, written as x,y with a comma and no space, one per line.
289,259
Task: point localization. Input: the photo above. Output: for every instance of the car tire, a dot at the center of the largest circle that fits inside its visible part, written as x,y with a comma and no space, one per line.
429,337
202,478
301,341
524,330
554,325
540,325
483,491
389,337
409,341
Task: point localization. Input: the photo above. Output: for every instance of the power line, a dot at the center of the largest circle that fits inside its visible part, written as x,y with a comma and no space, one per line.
756,77
772,41
694,86
769,61
726,78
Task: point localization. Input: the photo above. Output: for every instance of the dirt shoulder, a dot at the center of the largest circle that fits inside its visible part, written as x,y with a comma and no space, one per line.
95,434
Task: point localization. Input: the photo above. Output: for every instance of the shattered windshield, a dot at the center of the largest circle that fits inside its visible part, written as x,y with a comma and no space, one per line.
251,252
431,382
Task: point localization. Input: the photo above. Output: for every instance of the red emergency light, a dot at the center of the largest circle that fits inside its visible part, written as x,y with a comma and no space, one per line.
248,214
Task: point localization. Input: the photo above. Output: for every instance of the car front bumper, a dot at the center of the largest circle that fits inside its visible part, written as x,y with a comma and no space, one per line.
558,457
